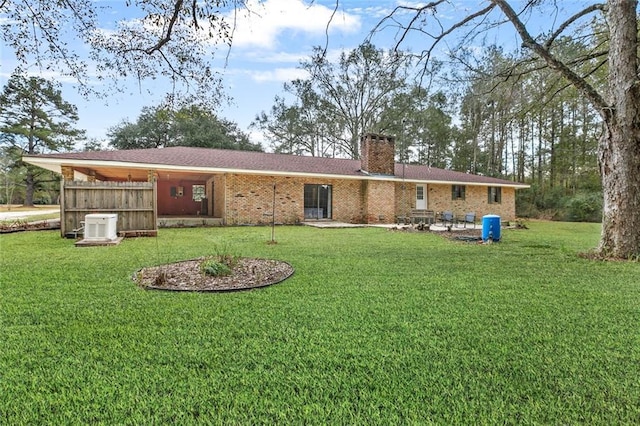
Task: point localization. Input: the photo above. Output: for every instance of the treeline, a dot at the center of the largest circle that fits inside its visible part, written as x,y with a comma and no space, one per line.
501,117
35,119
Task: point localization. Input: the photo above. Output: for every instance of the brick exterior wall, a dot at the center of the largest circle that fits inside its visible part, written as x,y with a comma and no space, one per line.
248,199
476,200
379,201
377,154
67,173
218,207
405,198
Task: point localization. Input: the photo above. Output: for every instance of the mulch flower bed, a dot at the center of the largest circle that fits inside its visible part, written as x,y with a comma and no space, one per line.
248,273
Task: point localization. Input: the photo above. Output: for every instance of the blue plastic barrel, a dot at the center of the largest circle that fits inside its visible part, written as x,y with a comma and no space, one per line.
491,227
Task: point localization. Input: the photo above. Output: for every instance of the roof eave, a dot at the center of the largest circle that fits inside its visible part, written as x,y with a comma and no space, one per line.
55,165
516,185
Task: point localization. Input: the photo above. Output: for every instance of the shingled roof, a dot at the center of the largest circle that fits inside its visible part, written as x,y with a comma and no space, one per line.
220,160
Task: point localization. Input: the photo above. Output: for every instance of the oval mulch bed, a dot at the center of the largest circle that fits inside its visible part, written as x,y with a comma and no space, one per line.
186,276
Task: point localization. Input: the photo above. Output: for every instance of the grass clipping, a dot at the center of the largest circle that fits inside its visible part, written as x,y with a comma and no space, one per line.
188,275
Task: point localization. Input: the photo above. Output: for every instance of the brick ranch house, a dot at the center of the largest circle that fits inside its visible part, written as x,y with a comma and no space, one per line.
238,186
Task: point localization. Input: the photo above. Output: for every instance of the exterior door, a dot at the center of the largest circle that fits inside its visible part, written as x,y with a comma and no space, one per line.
317,201
421,197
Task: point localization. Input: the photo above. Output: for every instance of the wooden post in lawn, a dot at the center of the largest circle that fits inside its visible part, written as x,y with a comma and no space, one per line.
273,216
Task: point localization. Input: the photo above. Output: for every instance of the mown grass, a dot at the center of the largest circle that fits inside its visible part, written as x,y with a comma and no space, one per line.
375,327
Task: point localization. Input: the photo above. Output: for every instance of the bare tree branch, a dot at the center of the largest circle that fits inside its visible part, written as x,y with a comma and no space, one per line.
571,20
194,14
164,40
554,63
326,29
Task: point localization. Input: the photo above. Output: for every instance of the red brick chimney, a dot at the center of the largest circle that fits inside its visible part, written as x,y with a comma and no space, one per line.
378,154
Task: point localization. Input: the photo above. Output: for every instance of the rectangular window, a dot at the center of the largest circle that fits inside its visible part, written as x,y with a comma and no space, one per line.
494,194
317,201
198,192
457,192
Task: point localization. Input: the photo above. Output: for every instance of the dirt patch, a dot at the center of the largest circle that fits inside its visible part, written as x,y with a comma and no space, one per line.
452,234
248,273
467,234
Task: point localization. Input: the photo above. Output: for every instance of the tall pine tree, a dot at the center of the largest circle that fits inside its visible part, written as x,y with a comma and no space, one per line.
38,121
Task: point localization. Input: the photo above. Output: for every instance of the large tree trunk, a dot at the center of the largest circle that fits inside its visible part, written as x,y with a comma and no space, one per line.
619,150
30,188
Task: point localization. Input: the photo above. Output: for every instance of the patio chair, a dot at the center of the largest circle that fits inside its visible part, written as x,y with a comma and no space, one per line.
447,217
469,218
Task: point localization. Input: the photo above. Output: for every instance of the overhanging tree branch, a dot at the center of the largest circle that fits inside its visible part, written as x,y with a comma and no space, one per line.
570,21
167,36
554,63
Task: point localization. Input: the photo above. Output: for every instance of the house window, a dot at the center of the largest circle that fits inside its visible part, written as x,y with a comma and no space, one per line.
198,192
317,201
457,192
494,194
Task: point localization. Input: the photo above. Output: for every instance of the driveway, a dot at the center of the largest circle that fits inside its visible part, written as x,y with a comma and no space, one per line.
26,213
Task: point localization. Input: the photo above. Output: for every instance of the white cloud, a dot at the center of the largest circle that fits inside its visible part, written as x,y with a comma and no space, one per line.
53,76
276,57
257,136
377,12
264,22
280,75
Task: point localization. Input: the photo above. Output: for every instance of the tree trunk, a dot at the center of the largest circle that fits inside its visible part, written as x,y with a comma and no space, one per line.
619,150
30,188
619,165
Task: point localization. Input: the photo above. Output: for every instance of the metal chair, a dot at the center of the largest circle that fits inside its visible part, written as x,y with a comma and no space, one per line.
447,217
469,218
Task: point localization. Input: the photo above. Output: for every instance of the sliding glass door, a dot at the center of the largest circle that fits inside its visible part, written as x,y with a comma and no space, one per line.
317,201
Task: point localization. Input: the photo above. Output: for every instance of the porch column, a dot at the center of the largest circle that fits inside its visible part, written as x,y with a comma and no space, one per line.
91,177
67,173
151,175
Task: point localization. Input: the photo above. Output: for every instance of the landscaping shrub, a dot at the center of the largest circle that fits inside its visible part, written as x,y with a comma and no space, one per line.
585,207
215,267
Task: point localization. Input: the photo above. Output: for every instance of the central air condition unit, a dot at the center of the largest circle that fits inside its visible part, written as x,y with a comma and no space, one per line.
100,227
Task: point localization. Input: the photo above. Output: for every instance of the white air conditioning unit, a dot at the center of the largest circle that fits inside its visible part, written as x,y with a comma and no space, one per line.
100,227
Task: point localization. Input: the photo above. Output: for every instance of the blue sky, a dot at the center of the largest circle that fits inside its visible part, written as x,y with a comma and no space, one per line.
267,48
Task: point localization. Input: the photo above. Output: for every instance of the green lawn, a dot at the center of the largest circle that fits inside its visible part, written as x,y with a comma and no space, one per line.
374,327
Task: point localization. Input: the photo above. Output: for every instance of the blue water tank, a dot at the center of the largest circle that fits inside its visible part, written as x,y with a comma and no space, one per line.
491,227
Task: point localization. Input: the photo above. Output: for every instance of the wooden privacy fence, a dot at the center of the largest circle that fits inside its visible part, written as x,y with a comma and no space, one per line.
135,203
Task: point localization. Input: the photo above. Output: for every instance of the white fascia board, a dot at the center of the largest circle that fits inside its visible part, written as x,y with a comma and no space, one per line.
452,182
45,163
55,165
